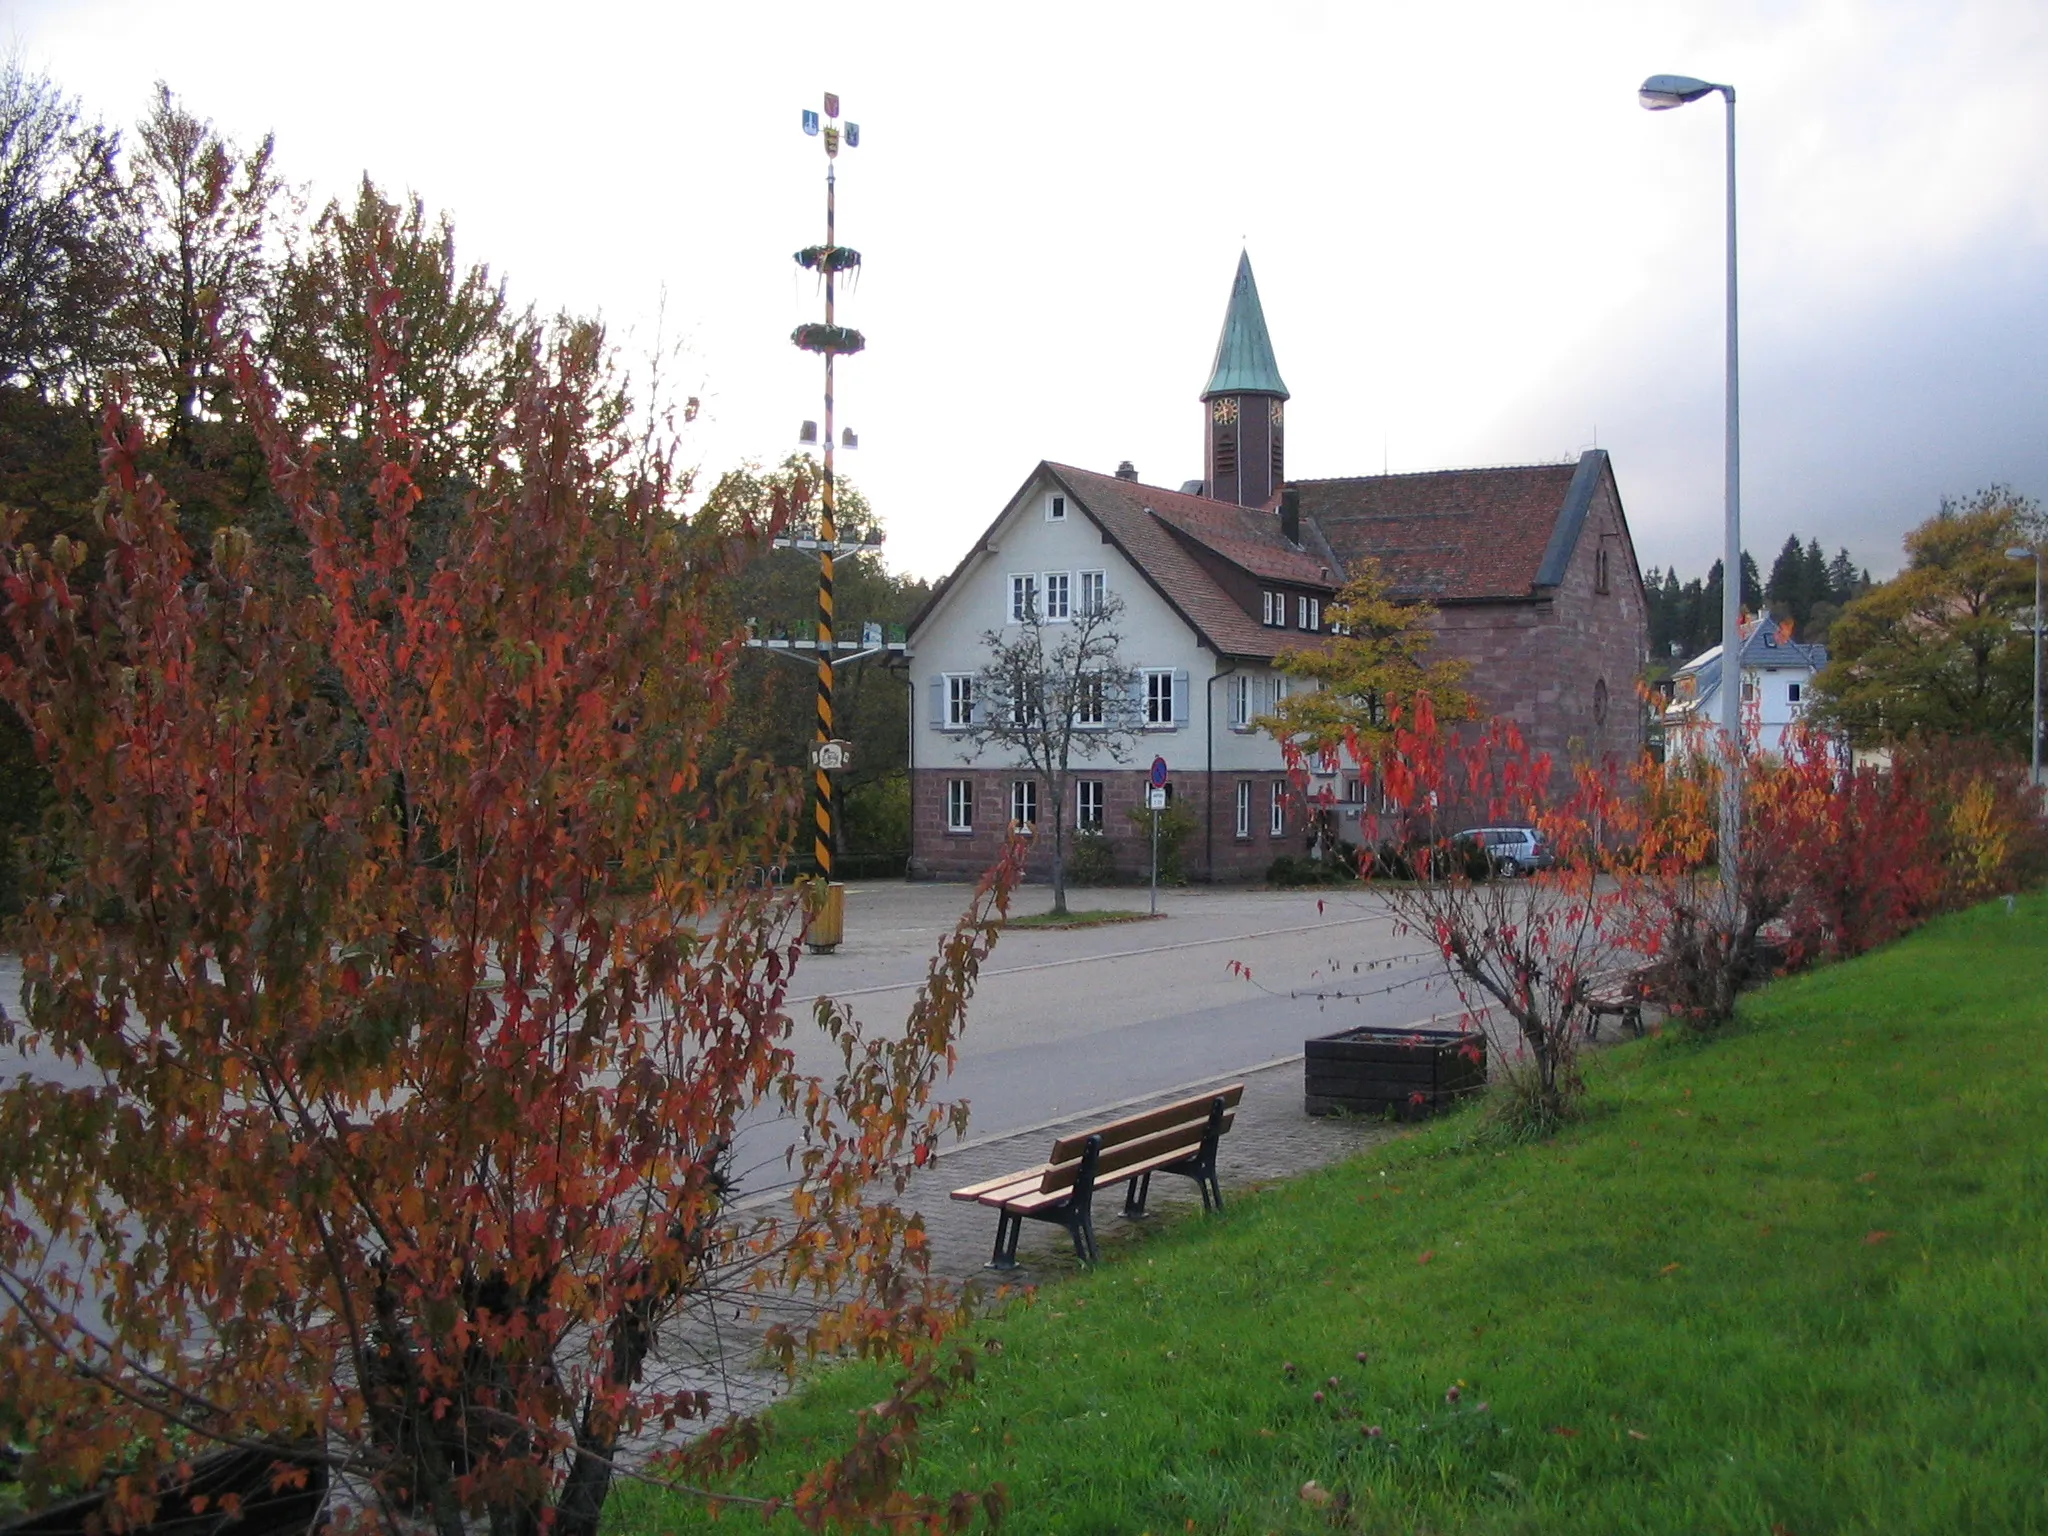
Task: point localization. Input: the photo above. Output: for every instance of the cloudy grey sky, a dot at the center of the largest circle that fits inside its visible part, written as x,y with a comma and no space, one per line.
1473,246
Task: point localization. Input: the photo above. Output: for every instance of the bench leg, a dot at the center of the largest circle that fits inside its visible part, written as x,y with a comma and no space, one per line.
1634,1020
1136,1193
1006,1241
1080,1225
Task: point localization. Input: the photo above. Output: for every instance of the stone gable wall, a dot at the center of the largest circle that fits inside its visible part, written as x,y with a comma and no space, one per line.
1540,662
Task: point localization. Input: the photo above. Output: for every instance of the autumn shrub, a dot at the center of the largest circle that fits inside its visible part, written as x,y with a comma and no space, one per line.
1696,920
1988,834
1091,860
1834,858
1176,825
1291,871
1527,952
402,1012
1857,845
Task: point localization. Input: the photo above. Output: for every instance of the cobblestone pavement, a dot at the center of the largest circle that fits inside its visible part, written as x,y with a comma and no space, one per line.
1272,1139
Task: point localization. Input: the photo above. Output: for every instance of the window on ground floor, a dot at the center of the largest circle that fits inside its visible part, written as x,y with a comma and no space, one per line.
1024,803
959,805
1088,801
1277,825
1244,808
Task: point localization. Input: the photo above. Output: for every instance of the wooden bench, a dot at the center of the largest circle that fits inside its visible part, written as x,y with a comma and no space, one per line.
1176,1138
1615,994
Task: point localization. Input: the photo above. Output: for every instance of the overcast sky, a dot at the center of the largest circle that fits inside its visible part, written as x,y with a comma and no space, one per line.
1473,246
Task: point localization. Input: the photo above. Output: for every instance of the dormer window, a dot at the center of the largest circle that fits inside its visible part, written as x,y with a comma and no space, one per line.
1308,613
1055,509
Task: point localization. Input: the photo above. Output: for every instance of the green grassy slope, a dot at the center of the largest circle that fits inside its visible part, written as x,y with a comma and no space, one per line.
1793,1279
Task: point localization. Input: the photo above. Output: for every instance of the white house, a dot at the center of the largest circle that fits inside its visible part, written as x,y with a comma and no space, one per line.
1531,569
1777,684
1067,540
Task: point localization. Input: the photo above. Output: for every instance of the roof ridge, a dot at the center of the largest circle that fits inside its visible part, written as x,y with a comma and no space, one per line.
1423,474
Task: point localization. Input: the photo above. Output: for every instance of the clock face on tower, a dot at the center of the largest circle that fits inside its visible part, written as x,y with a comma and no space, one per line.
1224,413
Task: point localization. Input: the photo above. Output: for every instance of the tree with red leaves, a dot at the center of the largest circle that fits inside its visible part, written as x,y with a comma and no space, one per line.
405,1001
1530,950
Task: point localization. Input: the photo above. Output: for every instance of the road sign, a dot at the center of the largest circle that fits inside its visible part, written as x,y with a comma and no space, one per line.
1155,799
832,755
1159,773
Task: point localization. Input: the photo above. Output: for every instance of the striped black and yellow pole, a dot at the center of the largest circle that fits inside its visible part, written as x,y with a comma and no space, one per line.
831,340
828,526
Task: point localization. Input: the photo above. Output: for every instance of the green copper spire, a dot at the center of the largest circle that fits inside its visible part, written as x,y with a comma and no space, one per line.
1244,352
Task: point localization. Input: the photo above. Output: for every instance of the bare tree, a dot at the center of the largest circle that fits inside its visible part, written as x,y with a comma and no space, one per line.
204,215
60,268
1056,693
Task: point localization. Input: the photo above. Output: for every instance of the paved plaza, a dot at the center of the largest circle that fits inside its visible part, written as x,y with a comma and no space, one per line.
1069,1027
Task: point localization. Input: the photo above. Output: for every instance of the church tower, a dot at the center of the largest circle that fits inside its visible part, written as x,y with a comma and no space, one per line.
1244,407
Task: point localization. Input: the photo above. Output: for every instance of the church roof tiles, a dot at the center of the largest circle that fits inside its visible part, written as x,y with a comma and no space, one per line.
1458,535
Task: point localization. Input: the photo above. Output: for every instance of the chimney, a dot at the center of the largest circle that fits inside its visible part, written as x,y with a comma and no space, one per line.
1127,470
1290,515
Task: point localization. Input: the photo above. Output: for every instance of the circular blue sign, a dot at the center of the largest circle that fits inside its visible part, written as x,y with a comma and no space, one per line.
1159,773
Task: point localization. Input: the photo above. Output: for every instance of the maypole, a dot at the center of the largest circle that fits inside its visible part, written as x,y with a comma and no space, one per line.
831,340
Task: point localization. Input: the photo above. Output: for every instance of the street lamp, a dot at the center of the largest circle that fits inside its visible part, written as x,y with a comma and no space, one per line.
2022,553
1660,93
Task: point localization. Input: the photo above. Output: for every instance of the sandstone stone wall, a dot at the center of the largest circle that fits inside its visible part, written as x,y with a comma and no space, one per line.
1565,667
939,854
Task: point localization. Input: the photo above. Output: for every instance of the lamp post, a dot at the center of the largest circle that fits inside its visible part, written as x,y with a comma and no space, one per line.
1660,93
2021,553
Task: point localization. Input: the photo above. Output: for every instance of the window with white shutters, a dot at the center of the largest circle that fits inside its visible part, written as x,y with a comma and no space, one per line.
1158,697
959,701
1091,706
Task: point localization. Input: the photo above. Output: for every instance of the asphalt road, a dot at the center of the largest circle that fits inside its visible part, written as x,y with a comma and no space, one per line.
1065,1022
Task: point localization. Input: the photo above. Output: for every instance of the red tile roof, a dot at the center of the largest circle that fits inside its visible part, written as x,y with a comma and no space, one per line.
1453,535
1459,535
1136,518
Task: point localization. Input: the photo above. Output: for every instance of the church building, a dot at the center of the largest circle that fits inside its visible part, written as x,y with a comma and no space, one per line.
1531,569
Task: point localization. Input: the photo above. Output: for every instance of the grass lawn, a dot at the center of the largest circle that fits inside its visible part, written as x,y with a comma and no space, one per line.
1092,917
1794,1279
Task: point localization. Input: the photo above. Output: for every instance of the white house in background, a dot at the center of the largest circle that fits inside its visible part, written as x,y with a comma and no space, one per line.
1531,570
1777,685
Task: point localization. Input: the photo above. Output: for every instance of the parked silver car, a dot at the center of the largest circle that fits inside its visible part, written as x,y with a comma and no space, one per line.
1512,850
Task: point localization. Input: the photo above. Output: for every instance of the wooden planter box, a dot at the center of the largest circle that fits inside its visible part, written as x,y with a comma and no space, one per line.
1406,1073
